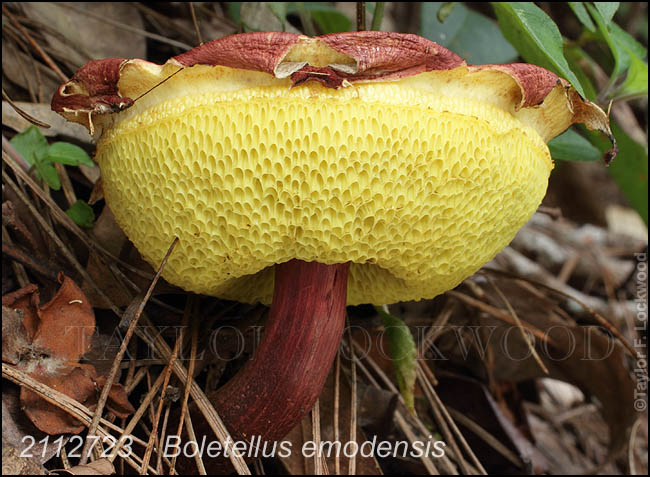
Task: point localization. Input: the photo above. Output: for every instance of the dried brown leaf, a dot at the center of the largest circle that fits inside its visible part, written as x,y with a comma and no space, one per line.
118,401
72,381
57,335
17,428
15,341
89,36
67,323
97,467
583,356
25,300
43,112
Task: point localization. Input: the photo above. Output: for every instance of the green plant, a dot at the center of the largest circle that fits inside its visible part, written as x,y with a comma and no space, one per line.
538,40
41,156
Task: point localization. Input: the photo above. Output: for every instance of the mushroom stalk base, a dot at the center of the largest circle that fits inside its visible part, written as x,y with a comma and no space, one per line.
279,385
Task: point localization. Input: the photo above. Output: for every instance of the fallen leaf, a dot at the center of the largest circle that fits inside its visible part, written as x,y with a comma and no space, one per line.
15,341
584,356
67,323
110,236
471,398
97,467
22,300
72,381
14,464
43,112
118,402
18,429
56,337
87,36
18,67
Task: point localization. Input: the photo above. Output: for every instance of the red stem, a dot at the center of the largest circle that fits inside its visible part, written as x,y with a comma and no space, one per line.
279,385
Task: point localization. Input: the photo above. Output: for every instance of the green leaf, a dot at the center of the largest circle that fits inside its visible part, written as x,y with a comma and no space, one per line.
575,56
279,9
403,353
30,144
377,15
68,154
607,10
627,53
621,58
82,214
536,37
48,172
330,20
629,169
33,147
582,14
434,30
234,9
636,82
571,146
466,32
445,10
627,41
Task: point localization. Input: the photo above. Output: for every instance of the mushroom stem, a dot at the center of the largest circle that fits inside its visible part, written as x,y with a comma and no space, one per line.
281,382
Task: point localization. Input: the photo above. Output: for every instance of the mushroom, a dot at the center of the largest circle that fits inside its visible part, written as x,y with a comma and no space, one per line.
313,172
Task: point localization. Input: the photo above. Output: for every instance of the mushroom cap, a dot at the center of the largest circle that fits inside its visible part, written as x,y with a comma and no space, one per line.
381,149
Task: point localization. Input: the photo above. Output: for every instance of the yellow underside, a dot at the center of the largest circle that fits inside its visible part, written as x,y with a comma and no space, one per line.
417,197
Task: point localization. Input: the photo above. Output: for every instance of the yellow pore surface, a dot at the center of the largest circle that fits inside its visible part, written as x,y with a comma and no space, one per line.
417,190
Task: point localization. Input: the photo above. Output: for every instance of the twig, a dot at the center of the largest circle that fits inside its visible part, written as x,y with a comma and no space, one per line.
399,417
190,308
361,16
630,448
454,428
19,166
442,423
13,34
135,419
118,357
162,437
64,402
49,231
40,51
21,258
519,325
352,462
199,397
196,23
66,184
337,383
497,313
488,438
167,374
192,437
23,114
121,25
575,295
17,158
320,465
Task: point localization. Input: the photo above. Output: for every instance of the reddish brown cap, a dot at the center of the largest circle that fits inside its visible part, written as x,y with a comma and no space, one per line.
335,60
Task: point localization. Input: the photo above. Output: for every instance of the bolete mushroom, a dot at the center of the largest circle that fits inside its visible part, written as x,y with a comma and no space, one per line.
311,173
